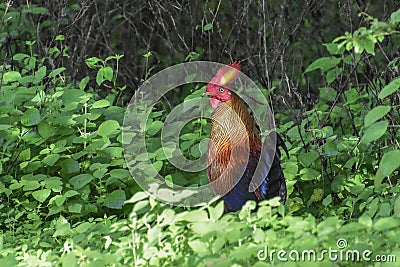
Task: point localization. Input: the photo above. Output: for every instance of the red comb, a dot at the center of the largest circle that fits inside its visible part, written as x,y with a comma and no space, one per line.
227,74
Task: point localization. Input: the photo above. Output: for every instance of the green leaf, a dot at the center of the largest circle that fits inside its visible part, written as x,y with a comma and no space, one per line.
137,197
20,56
307,159
60,37
109,128
369,44
196,216
390,162
323,63
396,207
56,72
327,200
376,114
115,200
8,261
308,174
41,195
198,247
390,88
83,83
45,129
208,26
75,208
375,131
31,185
108,73
4,127
395,17
80,180
30,117
101,104
69,166
54,183
51,159
92,62
334,49
386,223
11,76
38,10
154,128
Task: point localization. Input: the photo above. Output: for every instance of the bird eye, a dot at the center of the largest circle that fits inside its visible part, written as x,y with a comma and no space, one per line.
221,89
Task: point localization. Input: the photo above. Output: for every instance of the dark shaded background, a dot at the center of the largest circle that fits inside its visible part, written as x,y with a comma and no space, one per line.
275,40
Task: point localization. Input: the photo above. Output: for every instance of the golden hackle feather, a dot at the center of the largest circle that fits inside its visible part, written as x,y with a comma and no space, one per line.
233,136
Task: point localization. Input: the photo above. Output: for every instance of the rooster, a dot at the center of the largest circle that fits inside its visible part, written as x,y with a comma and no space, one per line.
235,148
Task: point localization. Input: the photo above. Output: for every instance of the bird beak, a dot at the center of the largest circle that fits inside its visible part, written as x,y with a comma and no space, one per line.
207,94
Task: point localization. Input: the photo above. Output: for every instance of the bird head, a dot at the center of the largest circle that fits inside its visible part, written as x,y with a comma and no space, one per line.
217,88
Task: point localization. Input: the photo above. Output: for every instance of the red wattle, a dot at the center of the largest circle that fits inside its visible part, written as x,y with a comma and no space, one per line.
214,102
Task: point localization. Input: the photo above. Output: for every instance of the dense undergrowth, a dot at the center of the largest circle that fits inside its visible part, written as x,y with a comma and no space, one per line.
67,198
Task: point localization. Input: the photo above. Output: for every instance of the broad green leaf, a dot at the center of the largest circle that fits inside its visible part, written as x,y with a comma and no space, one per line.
45,129
101,104
11,76
386,223
80,180
137,197
30,185
327,93
92,62
39,10
208,26
390,162
41,195
63,227
115,200
8,261
390,88
199,247
20,56
51,159
290,169
323,63
334,49
196,216
109,128
308,158
108,73
25,155
120,173
396,207
327,200
376,114
374,132
4,127
40,74
100,76
75,208
56,72
365,220
30,117
154,128
395,17
83,83
71,193
308,174
69,166
54,183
